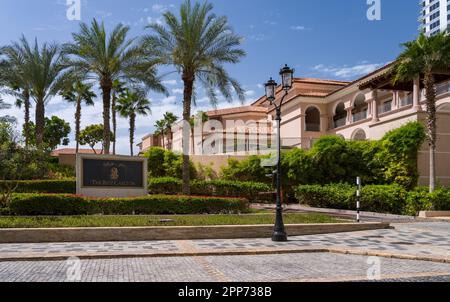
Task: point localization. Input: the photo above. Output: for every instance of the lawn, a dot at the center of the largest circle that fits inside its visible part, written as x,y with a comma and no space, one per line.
161,220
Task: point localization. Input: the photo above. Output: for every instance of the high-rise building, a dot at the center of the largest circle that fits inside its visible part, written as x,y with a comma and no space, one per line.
435,16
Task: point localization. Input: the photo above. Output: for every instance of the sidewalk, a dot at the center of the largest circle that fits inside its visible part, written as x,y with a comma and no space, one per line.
429,241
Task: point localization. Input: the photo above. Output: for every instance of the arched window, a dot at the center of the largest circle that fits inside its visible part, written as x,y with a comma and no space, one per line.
359,135
312,119
360,108
340,116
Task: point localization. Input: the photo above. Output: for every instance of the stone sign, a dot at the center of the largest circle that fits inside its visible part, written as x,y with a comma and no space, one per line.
111,176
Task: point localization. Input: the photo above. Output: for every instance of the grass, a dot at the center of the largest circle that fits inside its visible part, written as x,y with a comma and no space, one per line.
161,220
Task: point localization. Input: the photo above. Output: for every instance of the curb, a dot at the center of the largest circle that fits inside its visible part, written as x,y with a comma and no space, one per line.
55,235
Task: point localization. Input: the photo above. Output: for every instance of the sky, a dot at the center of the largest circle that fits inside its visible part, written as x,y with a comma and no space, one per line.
331,39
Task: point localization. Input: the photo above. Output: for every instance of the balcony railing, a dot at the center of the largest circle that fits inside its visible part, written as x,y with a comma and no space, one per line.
386,107
442,88
359,116
340,122
406,100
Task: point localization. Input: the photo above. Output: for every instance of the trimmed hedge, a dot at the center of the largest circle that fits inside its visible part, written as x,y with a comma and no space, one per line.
382,199
43,186
63,204
249,190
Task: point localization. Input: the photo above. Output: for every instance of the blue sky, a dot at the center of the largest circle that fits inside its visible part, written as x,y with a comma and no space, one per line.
330,39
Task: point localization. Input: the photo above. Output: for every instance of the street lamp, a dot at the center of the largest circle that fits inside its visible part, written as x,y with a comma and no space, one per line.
287,76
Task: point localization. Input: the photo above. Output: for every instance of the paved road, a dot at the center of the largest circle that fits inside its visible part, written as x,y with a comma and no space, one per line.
287,267
216,260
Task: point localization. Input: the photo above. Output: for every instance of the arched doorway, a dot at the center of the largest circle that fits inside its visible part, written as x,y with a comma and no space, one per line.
340,116
360,108
312,119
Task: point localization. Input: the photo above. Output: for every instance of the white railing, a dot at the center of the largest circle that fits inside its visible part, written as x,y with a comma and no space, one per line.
406,100
386,107
340,122
359,116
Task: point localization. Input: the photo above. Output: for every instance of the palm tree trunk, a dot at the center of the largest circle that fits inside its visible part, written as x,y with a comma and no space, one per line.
40,121
188,80
106,89
114,122
132,126
77,124
26,126
431,124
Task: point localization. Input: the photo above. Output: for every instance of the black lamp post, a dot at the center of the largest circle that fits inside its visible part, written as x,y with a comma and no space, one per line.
287,75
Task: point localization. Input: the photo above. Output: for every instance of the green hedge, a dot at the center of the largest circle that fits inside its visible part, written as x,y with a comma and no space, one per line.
63,204
43,186
249,190
382,199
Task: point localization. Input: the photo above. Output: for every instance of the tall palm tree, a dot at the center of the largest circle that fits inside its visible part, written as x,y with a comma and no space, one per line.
197,44
107,57
201,117
130,105
170,119
43,73
77,93
118,88
421,58
17,80
161,130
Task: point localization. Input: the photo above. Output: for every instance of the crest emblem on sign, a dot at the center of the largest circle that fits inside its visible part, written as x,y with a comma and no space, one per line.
114,173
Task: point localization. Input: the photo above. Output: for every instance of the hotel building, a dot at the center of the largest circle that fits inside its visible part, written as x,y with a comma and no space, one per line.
364,109
435,16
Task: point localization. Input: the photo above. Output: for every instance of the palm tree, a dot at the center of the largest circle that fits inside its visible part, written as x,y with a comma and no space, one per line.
131,104
16,80
108,57
161,130
170,119
77,93
421,58
117,89
197,44
41,72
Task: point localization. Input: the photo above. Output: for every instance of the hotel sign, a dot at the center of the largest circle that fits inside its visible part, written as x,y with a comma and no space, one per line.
112,173
111,176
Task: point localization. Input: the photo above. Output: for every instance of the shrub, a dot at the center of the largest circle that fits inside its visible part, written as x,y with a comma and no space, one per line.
54,204
249,169
417,201
249,190
67,186
165,163
382,199
335,196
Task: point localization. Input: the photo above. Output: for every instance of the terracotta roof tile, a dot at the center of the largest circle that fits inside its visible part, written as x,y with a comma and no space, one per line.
244,109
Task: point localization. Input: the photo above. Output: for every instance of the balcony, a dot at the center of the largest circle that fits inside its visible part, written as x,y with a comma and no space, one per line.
339,122
313,127
442,88
359,116
406,100
386,107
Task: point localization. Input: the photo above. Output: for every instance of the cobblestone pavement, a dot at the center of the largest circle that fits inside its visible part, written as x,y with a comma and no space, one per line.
424,239
256,268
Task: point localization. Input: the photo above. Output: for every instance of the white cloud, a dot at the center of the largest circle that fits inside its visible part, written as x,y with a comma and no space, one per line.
161,8
170,82
250,93
299,28
348,72
178,91
158,20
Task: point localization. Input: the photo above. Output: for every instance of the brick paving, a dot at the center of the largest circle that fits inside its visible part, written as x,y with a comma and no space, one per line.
216,260
259,268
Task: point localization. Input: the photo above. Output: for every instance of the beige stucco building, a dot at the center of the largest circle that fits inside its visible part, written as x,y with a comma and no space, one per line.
364,109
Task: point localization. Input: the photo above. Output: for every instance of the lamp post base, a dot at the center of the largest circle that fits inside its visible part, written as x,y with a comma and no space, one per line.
279,237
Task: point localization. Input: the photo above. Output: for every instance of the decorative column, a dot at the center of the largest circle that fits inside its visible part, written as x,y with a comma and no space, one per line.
324,122
374,98
349,115
416,94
